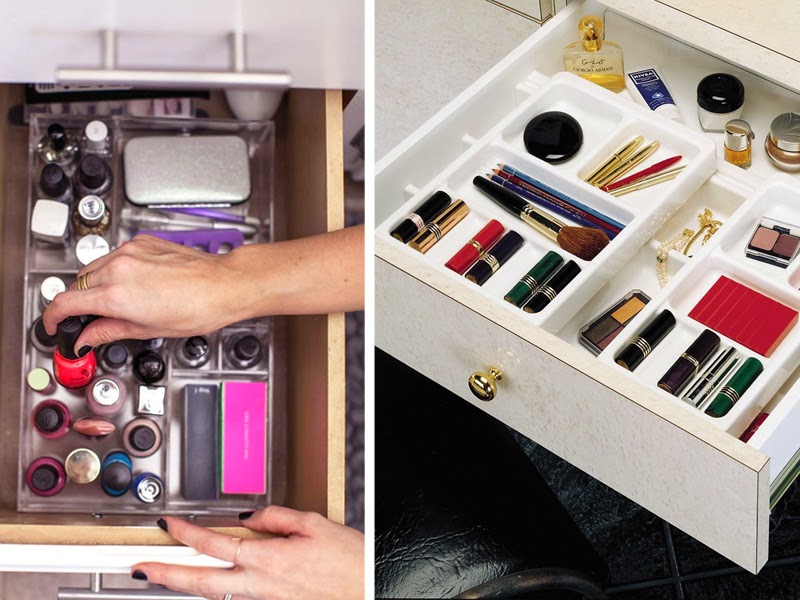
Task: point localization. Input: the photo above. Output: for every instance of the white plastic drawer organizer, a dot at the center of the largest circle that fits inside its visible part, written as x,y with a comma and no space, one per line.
617,425
608,123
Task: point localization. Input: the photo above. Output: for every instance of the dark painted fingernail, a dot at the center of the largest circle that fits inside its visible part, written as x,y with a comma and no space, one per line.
84,350
246,515
163,524
140,575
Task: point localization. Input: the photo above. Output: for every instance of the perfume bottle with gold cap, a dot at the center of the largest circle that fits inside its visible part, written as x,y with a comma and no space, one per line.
595,59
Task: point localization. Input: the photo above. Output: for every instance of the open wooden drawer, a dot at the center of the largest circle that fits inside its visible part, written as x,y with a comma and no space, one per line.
629,435
308,200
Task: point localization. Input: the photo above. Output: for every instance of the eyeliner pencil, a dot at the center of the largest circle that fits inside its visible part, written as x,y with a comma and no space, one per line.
561,211
548,200
557,194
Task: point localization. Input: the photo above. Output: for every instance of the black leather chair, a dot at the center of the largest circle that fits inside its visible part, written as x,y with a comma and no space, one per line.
460,510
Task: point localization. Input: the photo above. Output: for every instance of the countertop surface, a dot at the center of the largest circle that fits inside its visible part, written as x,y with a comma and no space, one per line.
428,51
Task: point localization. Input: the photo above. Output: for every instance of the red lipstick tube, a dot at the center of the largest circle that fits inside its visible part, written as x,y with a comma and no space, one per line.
472,250
71,370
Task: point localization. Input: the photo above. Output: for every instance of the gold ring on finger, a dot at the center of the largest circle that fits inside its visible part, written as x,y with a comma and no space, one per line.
83,281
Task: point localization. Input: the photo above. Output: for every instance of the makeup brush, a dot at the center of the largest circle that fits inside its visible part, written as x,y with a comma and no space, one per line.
583,242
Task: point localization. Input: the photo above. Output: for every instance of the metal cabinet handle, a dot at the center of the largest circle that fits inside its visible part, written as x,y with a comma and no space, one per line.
110,74
96,592
484,385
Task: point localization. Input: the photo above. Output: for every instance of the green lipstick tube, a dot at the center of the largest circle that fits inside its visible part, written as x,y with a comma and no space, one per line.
524,289
737,385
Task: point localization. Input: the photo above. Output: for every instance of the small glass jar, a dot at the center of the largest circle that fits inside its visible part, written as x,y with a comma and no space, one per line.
720,98
738,143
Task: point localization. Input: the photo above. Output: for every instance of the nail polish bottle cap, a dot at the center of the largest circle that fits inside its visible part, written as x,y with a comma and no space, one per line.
58,138
96,133
49,419
41,334
68,332
142,438
92,172
148,367
44,478
50,288
91,209
53,180
247,348
196,346
106,392
116,355
116,476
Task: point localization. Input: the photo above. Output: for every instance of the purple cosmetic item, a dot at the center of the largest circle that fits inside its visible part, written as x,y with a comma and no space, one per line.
209,240
46,476
51,419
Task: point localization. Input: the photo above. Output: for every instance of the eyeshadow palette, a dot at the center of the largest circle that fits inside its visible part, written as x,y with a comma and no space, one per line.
774,243
603,329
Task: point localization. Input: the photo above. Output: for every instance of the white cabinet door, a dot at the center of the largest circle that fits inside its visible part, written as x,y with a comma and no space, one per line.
319,43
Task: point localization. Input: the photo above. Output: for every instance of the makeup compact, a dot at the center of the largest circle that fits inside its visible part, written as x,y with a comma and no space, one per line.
598,333
643,344
553,137
774,242
747,317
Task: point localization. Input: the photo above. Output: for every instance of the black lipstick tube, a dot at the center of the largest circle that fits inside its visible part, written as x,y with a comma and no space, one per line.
495,257
547,292
643,344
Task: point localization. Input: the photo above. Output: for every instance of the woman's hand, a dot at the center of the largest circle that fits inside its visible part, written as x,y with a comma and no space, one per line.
311,557
149,288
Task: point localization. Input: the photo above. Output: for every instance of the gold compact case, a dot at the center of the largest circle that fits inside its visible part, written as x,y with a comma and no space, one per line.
440,226
783,142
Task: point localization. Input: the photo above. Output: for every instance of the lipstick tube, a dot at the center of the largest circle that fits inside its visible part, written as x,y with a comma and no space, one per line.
525,287
415,222
475,248
689,363
730,393
495,257
440,226
643,344
555,285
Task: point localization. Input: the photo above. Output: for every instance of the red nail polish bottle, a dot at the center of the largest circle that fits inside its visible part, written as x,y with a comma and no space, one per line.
71,370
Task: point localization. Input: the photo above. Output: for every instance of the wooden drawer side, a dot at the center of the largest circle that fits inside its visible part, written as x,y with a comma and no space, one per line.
672,470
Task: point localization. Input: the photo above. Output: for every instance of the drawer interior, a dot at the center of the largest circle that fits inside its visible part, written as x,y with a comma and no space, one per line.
308,372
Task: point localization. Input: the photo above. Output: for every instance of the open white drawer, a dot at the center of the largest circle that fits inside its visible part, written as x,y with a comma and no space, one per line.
616,426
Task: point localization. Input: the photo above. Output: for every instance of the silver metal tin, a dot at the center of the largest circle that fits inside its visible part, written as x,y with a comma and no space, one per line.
181,170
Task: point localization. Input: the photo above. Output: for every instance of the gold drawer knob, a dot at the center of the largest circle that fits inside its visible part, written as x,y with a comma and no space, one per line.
484,385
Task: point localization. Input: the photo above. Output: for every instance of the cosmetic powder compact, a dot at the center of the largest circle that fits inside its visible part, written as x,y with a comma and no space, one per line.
720,98
596,335
147,487
141,437
774,242
46,476
51,419
82,466
783,142
553,137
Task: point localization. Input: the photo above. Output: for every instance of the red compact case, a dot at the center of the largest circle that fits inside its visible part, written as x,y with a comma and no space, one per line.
748,317
472,250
